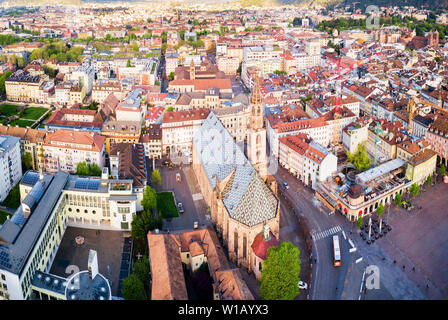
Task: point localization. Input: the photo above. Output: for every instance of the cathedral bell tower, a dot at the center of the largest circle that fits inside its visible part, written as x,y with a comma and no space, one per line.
256,134
192,70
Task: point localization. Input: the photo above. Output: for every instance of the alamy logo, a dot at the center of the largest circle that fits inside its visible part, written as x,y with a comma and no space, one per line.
373,277
373,20
72,270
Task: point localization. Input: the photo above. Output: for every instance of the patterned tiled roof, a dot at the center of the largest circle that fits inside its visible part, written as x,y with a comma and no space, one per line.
245,195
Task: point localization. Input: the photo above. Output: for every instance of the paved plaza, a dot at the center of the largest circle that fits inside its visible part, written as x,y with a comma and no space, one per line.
109,247
420,240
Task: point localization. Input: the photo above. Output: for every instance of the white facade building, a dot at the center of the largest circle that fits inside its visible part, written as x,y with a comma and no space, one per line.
10,164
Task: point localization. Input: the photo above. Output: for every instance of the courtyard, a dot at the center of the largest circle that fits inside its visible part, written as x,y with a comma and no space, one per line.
15,115
109,247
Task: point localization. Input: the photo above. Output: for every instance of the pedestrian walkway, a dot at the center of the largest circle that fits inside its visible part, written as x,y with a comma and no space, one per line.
326,233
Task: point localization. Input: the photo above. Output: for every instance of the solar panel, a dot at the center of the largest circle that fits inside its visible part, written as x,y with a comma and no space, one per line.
93,184
81,183
30,178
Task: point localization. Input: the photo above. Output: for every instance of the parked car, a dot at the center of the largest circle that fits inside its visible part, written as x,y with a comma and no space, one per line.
178,178
180,207
196,225
286,185
303,285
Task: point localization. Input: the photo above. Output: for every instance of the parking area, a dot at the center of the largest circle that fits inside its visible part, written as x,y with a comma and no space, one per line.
419,241
187,192
109,247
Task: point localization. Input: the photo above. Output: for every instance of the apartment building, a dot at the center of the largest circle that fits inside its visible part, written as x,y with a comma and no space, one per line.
103,88
120,131
64,149
437,137
171,62
31,141
10,164
22,87
306,159
353,135
152,141
178,129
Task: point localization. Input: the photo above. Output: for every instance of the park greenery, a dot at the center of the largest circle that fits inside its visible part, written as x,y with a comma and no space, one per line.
83,169
280,273
57,50
411,23
359,159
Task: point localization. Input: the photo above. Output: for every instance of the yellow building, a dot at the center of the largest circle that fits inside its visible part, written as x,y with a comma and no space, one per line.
120,131
422,165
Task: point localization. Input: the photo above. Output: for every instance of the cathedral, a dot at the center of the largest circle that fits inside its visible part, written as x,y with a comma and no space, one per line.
237,189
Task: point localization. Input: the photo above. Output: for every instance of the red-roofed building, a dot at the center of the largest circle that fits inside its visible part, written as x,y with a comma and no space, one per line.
309,161
64,149
262,242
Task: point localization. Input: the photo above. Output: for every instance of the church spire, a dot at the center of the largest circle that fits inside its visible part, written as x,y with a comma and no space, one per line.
255,97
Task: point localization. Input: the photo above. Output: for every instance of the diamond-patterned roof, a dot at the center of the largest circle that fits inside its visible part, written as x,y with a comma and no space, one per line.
246,196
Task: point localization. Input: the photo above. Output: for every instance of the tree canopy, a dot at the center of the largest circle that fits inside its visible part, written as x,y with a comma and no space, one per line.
83,169
398,199
149,201
414,189
359,159
133,288
27,161
280,273
380,209
156,179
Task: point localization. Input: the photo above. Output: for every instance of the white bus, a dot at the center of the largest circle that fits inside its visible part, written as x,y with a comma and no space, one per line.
336,251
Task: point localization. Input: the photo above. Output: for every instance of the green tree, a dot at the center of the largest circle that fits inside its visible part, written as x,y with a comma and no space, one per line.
171,76
280,273
94,170
156,179
169,109
359,159
141,270
359,222
27,161
442,170
141,224
133,288
149,201
135,47
50,72
379,213
380,209
414,189
3,78
398,199
429,180
82,169
128,63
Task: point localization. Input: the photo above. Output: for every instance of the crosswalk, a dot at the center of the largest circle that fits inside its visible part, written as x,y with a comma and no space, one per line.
326,233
